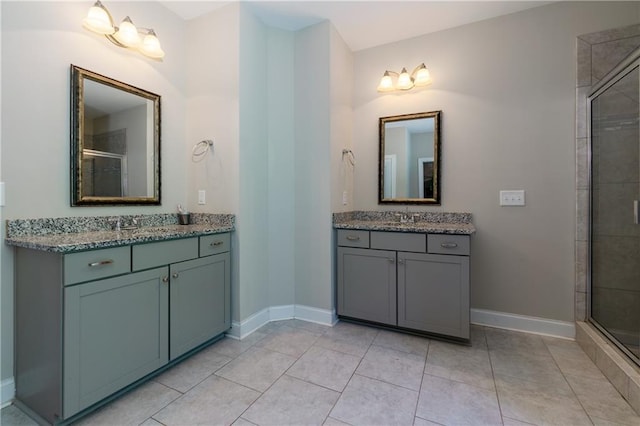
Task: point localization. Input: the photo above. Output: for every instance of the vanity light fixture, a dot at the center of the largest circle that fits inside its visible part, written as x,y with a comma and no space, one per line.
405,81
127,35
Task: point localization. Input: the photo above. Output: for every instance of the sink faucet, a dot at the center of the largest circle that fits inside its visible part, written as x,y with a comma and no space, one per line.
118,225
406,218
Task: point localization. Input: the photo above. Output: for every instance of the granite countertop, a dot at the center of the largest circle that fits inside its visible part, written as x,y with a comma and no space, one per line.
92,233
429,222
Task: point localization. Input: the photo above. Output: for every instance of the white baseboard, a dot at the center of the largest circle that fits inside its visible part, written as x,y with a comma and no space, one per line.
524,323
240,330
7,391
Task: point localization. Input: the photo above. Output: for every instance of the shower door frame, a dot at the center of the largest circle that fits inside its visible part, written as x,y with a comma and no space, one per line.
616,74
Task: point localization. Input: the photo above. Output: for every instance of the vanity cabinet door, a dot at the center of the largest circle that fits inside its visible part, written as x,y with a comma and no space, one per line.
115,332
433,293
200,294
367,284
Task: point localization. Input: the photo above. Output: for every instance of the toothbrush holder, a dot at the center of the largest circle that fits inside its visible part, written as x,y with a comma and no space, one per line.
184,218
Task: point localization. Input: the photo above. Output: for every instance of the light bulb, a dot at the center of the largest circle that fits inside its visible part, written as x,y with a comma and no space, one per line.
386,84
98,20
422,76
127,34
151,46
404,80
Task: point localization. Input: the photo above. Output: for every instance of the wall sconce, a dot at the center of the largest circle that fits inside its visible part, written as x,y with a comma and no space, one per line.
405,81
100,21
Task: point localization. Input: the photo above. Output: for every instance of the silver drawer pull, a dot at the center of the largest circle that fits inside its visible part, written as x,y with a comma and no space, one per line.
101,263
216,243
175,275
165,279
391,260
448,245
353,238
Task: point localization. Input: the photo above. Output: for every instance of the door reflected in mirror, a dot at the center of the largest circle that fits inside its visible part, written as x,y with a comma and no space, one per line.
409,170
115,142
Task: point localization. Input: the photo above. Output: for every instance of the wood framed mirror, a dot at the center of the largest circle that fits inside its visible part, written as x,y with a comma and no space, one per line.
115,142
409,161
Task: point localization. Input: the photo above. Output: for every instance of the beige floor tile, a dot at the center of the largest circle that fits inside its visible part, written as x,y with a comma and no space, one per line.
243,422
538,403
334,422
513,422
193,370
422,422
13,416
289,341
528,366
392,366
600,399
215,401
134,407
464,364
371,402
402,342
343,344
512,341
257,368
448,402
292,402
354,332
151,422
234,347
571,359
325,367
310,326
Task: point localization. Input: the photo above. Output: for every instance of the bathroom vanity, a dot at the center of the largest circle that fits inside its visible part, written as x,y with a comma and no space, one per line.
411,275
92,321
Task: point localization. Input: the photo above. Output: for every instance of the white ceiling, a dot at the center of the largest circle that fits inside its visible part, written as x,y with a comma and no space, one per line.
364,23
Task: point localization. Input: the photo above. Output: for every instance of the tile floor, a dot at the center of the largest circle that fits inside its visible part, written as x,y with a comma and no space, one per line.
298,373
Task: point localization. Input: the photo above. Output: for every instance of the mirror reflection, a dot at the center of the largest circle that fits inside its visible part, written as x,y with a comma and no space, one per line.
115,142
409,171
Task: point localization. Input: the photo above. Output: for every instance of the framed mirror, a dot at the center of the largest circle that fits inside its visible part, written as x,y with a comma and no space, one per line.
115,142
409,164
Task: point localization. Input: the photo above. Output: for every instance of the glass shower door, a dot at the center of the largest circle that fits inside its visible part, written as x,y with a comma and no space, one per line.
615,191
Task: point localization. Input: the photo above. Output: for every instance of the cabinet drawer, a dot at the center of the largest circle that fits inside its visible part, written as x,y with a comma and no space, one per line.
214,244
448,244
145,256
399,241
95,264
353,238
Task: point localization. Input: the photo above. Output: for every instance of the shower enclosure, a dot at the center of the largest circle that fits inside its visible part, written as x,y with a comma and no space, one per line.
614,284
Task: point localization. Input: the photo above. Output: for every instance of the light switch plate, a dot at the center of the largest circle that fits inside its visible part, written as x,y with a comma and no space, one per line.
202,197
2,200
512,198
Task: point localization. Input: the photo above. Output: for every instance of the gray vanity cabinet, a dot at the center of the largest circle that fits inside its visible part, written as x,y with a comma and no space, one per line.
91,323
200,301
367,284
403,280
433,293
115,332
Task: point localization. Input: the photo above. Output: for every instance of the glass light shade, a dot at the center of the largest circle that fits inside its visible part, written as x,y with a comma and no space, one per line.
151,46
98,20
127,33
404,80
422,76
386,84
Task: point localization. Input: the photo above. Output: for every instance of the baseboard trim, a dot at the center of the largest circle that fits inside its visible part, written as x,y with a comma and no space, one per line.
7,391
240,330
524,323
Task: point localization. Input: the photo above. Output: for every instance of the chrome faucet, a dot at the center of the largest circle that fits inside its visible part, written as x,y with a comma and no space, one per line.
118,225
406,218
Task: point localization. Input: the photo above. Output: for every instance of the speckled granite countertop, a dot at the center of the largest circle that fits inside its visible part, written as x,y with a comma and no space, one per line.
429,222
67,235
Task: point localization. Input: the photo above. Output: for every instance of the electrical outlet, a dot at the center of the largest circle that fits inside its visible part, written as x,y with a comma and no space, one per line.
512,198
202,197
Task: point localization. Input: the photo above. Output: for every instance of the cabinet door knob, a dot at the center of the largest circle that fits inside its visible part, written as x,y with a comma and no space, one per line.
353,237
391,260
448,245
401,261
101,263
165,279
216,243
174,275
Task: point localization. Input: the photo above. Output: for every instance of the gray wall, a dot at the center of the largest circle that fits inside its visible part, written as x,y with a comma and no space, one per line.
506,87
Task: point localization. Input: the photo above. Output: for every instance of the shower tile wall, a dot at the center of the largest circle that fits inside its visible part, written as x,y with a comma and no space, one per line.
597,54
